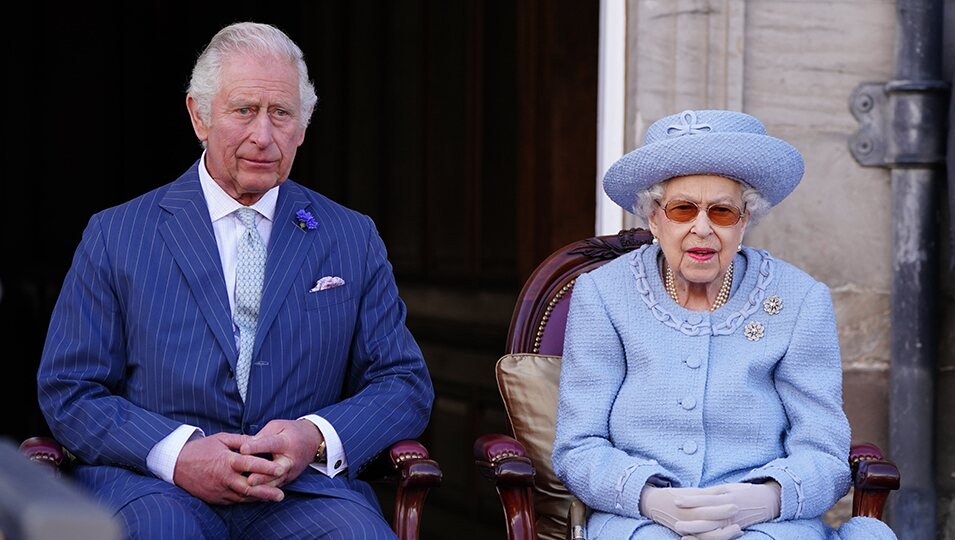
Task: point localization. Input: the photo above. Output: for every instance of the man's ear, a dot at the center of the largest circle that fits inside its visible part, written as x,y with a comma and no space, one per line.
200,127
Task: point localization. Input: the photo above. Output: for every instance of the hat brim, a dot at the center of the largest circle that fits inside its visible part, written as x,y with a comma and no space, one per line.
772,166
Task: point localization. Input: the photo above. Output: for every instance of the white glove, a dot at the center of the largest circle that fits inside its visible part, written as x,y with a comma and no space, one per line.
756,502
669,507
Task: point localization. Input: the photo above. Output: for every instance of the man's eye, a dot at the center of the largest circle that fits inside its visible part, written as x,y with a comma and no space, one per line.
281,112
243,110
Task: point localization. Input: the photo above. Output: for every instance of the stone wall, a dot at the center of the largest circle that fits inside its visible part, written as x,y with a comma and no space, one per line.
794,65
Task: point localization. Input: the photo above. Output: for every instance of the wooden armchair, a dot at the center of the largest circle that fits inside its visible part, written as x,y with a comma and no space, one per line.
406,464
535,502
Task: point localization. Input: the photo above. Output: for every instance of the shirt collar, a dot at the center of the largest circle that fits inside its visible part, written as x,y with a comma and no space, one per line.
221,204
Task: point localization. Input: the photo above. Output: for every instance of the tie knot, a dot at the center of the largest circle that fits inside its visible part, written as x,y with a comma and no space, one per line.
247,217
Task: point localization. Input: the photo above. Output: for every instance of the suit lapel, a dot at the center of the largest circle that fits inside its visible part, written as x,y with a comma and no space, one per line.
288,249
188,235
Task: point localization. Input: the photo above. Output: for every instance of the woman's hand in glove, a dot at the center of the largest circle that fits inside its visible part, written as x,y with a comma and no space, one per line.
677,509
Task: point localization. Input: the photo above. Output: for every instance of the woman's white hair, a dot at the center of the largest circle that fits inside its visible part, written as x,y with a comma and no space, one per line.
259,40
753,202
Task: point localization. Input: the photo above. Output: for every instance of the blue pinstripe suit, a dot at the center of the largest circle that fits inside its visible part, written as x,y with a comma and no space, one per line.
141,341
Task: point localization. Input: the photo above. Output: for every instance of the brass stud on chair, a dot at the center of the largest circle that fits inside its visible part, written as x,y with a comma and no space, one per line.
408,455
547,313
504,454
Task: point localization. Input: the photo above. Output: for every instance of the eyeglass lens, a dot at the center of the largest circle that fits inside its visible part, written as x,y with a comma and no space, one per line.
723,215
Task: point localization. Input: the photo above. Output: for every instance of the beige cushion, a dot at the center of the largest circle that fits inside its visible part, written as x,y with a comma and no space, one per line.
528,384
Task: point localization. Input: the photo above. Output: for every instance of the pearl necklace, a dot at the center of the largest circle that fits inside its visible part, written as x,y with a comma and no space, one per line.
721,297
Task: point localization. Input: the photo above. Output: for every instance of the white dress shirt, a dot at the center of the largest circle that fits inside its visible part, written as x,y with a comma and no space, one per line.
162,458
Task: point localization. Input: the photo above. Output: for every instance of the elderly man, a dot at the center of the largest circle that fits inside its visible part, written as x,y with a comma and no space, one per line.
229,350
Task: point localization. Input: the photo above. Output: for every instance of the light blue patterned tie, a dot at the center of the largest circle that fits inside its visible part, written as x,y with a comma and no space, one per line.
249,275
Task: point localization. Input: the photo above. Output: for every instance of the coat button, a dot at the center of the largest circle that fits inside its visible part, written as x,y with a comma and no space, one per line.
689,447
693,362
688,403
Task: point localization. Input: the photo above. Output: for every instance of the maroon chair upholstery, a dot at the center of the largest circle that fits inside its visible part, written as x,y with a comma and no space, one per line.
537,326
406,463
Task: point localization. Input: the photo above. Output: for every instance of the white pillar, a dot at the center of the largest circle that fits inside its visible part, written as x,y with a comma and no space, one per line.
611,106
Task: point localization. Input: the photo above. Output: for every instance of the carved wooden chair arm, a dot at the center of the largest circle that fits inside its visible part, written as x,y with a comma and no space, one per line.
407,461
48,452
873,478
408,465
503,461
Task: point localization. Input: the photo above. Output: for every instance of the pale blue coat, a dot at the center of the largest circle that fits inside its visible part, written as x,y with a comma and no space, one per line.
649,388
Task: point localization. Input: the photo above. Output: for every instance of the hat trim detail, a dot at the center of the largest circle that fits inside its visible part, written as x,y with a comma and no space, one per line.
688,126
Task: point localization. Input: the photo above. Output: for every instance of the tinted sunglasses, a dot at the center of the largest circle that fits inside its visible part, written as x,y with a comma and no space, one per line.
722,215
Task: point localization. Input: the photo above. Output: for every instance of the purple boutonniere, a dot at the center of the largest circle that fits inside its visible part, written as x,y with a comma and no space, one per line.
305,220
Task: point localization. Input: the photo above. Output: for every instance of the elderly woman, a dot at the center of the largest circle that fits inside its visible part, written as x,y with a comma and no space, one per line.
701,389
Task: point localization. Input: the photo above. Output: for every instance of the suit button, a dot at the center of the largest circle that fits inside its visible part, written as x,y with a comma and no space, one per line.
693,362
689,447
688,403
231,374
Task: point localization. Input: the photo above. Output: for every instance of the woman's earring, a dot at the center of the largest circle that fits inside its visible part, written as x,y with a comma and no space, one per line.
655,241
739,247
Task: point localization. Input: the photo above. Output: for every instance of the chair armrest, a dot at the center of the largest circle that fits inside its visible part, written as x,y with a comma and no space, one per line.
503,461
48,452
407,461
407,464
873,478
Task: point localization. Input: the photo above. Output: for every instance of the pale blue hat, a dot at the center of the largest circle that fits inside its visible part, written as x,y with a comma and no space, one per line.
726,143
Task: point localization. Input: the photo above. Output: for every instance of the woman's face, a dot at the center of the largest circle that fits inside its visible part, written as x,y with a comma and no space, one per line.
698,250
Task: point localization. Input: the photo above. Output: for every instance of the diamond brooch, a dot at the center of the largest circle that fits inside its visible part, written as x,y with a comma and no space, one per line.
773,305
754,331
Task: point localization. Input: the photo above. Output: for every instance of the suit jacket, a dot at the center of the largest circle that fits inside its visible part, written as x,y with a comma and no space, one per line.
141,340
746,393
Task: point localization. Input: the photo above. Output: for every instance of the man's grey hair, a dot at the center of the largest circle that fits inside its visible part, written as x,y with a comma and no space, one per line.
258,40
753,201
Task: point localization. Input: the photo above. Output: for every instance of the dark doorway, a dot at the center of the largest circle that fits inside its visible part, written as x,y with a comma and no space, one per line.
467,130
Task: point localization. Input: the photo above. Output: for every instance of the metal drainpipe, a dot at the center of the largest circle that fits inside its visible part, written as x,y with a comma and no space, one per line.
903,128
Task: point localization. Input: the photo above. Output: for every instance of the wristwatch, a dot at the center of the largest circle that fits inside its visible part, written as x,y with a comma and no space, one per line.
320,456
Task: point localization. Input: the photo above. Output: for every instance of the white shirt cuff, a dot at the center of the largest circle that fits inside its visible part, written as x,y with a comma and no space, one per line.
161,460
336,462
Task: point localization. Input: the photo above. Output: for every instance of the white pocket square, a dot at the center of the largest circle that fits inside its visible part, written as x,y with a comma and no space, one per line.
327,282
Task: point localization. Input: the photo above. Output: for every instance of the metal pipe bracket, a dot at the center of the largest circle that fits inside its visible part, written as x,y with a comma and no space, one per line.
902,123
